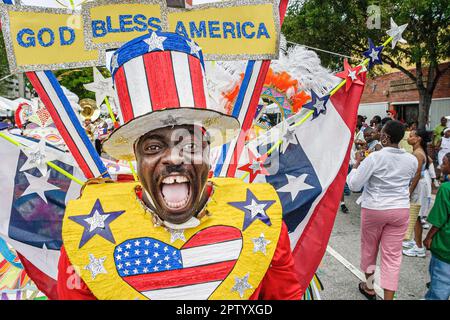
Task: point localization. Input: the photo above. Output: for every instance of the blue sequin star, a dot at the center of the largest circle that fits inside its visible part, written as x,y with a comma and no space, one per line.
254,209
374,54
317,104
97,222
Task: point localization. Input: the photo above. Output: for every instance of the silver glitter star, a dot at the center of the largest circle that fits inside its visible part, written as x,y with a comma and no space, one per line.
95,266
103,87
256,208
396,33
241,285
114,63
255,166
288,138
260,244
155,42
176,235
37,157
97,221
195,49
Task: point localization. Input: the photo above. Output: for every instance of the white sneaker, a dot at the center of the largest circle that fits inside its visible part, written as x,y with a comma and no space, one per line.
408,244
415,252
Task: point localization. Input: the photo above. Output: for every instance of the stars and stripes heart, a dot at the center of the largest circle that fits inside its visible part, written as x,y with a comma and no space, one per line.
161,271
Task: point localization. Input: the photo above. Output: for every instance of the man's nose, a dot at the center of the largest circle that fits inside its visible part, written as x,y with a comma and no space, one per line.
174,156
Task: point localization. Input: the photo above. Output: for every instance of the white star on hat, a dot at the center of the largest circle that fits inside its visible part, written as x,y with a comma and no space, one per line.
195,49
155,42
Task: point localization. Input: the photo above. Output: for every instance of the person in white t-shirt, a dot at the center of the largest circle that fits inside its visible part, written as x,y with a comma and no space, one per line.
385,176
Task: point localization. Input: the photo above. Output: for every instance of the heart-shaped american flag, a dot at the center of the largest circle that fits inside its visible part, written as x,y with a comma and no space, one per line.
160,271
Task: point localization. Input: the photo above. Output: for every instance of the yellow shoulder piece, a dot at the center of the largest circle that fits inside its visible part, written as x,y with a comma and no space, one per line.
120,254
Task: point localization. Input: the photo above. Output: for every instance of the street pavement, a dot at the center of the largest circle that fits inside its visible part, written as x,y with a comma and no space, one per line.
335,270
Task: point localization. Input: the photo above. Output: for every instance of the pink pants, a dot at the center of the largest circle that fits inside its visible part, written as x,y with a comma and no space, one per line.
386,228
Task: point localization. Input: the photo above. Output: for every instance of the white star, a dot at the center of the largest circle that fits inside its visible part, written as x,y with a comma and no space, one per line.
352,75
114,63
118,257
156,254
137,262
155,42
167,266
97,221
166,258
137,252
135,271
255,166
103,87
125,272
147,242
148,260
128,246
37,157
156,245
374,55
120,266
155,268
95,266
176,235
145,270
396,33
295,185
260,244
195,49
256,208
137,243
127,264
119,249
288,138
146,252
241,285
39,186
126,254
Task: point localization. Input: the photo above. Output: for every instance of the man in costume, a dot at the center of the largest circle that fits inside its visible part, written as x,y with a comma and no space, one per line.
175,234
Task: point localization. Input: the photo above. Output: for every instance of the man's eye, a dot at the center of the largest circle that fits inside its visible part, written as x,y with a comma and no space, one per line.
152,148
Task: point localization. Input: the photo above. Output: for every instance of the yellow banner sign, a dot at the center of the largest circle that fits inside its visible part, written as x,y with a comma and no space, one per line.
39,39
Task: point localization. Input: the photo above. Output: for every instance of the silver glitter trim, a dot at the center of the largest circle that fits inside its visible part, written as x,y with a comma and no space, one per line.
236,3
86,14
14,68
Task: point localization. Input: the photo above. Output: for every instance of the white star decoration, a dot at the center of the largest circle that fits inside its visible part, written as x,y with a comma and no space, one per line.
195,49
176,235
241,285
374,55
396,33
320,106
352,75
256,166
155,42
95,266
103,87
37,157
288,138
260,244
114,62
97,221
295,185
256,208
39,186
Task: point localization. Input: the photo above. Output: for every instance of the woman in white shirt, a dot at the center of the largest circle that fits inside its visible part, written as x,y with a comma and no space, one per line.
385,176
444,145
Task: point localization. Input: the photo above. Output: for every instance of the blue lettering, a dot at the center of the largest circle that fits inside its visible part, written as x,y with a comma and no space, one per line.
181,29
213,29
262,31
29,41
244,30
200,32
238,29
124,21
140,20
109,26
155,24
40,37
62,33
228,27
98,28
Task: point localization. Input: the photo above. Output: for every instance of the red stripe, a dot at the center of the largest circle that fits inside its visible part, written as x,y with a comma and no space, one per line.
198,88
43,282
213,235
161,80
124,96
310,248
2,263
182,277
41,91
248,120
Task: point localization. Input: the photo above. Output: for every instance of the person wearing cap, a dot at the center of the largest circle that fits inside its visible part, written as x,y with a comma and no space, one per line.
175,234
391,114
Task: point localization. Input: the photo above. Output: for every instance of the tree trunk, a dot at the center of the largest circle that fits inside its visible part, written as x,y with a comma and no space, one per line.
424,107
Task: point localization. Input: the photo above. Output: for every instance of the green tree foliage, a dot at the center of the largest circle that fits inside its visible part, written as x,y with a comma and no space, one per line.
340,26
4,70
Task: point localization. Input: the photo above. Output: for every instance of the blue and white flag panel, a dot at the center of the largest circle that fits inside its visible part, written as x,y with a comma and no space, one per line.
309,164
32,204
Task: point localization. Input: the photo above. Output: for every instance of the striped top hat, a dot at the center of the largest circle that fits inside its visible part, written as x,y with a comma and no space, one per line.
160,82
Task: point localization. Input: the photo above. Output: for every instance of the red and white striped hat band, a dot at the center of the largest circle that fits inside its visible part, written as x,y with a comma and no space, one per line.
160,72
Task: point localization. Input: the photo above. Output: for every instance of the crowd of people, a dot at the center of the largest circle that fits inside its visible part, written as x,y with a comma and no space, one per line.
395,167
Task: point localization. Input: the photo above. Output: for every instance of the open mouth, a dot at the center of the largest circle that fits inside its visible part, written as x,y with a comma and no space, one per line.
176,192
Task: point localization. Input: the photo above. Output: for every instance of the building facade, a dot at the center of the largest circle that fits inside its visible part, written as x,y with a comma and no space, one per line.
397,91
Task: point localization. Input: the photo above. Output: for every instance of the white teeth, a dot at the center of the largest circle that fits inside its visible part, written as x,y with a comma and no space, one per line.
175,179
176,205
